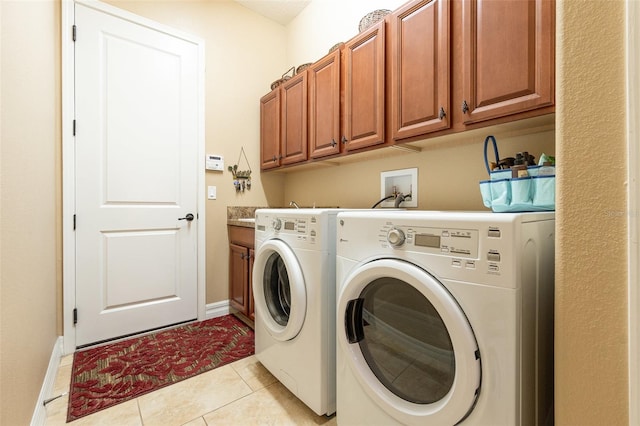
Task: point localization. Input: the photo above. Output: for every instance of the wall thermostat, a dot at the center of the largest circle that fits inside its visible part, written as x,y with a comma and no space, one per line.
215,162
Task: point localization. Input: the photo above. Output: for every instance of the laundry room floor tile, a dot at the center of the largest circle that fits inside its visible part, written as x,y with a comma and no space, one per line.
240,393
192,398
272,405
253,373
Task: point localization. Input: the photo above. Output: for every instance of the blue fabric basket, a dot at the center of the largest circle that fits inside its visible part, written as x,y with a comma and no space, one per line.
502,193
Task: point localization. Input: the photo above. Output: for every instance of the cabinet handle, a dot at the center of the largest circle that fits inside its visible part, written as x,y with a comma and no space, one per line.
242,256
344,139
333,143
465,107
442,113
274,159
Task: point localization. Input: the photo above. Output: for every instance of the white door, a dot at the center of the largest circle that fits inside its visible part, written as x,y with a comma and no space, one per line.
136,176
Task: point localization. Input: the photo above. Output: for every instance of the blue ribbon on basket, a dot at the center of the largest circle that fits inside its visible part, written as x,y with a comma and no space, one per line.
491,139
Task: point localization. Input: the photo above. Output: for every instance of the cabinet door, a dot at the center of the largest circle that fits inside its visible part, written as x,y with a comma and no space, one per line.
324,106
238,273
508,57
270,130
364,86
419,68
293,120
251,301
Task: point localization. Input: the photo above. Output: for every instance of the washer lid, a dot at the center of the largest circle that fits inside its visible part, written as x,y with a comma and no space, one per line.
279,290
408,343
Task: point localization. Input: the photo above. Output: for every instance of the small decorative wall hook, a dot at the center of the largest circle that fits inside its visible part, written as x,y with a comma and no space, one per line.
242,178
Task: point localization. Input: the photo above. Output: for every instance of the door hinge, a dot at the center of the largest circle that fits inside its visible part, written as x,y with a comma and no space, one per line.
73,32
74,127
75,316
74,222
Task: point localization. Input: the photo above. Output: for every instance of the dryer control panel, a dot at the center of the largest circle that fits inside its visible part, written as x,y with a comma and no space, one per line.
447,241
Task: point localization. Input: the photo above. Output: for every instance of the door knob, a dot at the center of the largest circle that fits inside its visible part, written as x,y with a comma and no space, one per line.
189,217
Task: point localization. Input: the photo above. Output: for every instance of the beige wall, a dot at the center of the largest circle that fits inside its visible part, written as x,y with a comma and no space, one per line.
323,23
448,173
30,138
591,278
244,54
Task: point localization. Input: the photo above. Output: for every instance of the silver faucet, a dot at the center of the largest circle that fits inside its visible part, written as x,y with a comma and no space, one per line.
294,204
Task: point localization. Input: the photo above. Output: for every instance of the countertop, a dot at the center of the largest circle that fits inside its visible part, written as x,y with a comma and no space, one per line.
241,216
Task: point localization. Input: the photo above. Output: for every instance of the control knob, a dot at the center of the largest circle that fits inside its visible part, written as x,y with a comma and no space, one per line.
395,237
277,224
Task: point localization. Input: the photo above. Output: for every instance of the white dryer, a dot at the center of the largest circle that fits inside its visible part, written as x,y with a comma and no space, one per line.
294,289
445,318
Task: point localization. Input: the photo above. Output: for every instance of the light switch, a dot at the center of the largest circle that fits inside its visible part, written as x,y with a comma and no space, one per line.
211,192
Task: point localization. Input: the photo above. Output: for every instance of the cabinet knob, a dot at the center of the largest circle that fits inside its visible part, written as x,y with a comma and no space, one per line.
442,113
465,107
274,158
333,143
344,139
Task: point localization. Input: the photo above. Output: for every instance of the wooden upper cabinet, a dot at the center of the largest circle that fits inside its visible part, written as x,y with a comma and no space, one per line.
508,57
293,121
364,89
324,106
270,130
419,68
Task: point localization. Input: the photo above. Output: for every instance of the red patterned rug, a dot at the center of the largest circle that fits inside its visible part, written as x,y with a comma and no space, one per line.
109,375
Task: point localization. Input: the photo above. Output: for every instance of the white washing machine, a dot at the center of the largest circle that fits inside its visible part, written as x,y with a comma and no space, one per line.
294,289
445,318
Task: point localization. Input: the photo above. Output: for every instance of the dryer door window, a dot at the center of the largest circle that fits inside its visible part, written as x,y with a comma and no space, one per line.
408,343
404,341
279,290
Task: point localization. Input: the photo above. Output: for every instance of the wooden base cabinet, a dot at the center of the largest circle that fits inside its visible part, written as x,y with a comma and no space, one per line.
241,257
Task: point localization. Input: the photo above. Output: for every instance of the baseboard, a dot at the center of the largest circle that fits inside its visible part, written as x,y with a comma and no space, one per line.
218,309
40,412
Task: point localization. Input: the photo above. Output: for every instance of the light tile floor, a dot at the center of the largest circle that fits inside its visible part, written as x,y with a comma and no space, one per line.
240,393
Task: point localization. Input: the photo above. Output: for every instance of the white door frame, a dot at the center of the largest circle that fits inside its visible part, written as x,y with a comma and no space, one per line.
68,159
633,133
